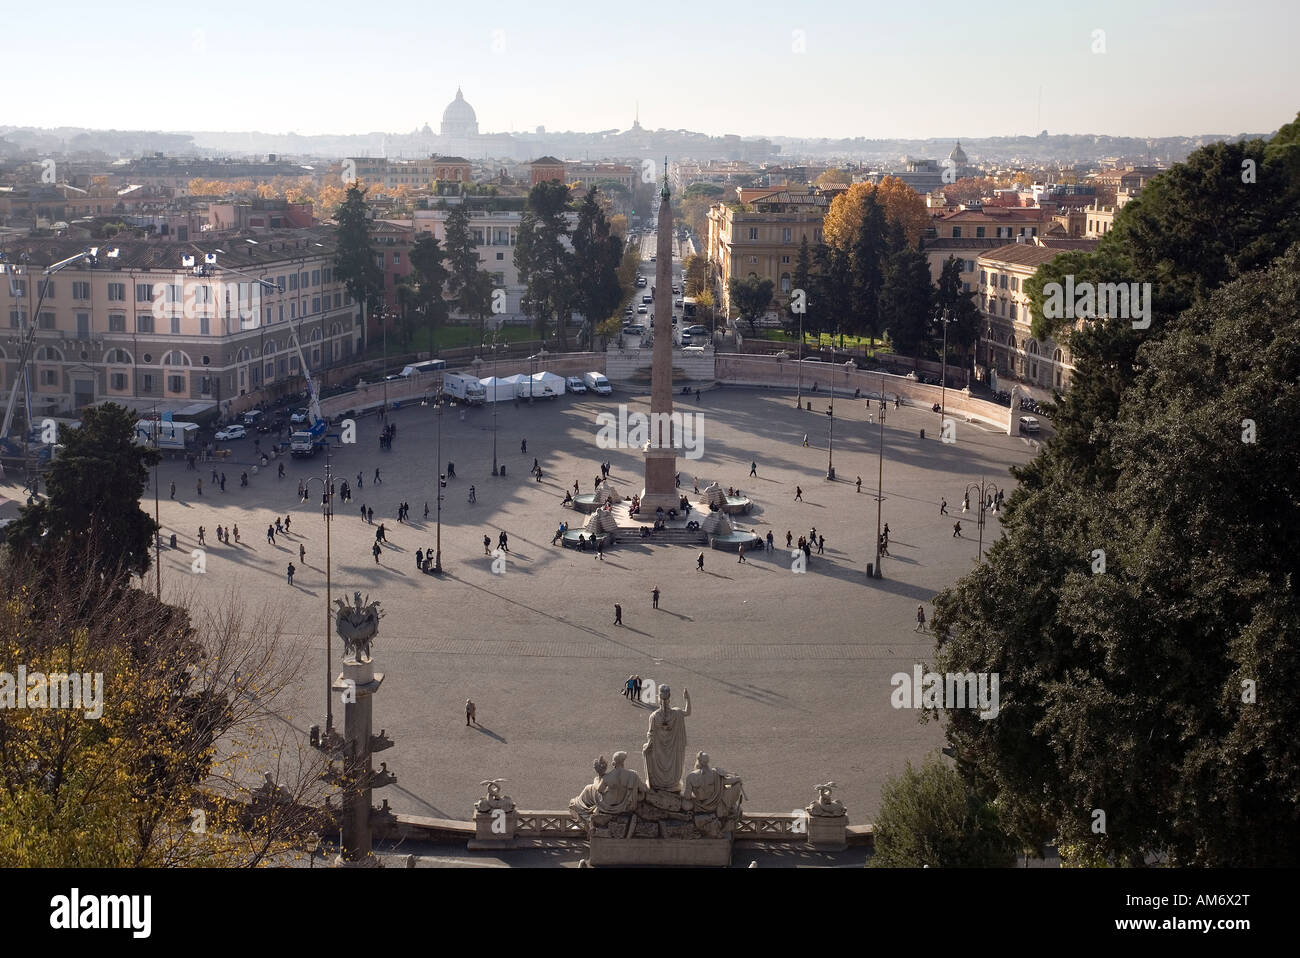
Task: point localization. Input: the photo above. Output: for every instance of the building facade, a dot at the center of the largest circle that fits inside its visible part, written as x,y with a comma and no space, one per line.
145,330
765,242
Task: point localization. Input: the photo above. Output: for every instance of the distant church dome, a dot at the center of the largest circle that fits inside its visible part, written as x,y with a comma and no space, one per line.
957,156
459,119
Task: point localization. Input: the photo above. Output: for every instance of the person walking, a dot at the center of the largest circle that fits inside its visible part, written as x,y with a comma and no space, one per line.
173,489
223,482
287,520
699,562
370,515
376,551
805,439
200,486
798,494
426,512
741,556
302,553
291,570
943,507
381,534
920,618
753,468
628,686
202,533
487,546
654,598
523,448
235,529
789,536
575,487
279,526
270,533
859,484
377,480
363,512
280,474
600,549
821,545
419,560
302,491
360,484
886,533
618,614
771,543
503,542
956,530
471,713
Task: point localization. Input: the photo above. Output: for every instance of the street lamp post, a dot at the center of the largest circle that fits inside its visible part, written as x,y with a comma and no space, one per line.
327,510
798,398
830,431
442,482
945,317
880,473
496,344
988,502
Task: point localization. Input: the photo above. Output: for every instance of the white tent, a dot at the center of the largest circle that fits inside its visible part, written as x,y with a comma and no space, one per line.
540,384
501,388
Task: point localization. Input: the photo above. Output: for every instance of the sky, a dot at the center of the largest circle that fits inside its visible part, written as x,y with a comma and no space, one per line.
820,68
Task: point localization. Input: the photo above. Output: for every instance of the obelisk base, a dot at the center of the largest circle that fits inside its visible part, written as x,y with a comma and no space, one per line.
660,480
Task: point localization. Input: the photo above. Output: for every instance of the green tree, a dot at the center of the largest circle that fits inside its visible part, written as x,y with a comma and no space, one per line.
354,262
866,262
751,297
462,251
544,262
94,488
932,817
964,328
596,257
428,278
802,279
1129,691
907,301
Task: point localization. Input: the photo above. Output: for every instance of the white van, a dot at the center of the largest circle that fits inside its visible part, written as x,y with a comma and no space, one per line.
252,416
424,368
597,383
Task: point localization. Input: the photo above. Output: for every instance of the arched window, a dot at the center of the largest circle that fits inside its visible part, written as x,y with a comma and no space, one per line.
1011,341
270,348
1031,347
315,336
176,358
244,355
1058,357
48,354
117,357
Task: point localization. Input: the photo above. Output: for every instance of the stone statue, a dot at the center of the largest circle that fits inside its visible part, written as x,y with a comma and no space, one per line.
582,806
494,799
713,790
620,788
665,746
825,806
356,625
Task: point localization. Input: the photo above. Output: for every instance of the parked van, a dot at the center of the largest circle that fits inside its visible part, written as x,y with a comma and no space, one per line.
252,417
597,383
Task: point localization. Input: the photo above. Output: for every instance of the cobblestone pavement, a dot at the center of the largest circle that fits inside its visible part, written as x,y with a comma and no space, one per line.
789,673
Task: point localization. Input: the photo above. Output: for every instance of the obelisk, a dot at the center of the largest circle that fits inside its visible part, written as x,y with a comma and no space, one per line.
660,451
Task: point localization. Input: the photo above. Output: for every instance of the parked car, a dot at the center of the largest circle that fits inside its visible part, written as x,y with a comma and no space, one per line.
1029,424
298,415
233,431
641,309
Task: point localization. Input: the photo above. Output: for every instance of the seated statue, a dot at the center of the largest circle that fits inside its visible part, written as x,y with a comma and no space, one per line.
713,790
825,806
582,806
619,789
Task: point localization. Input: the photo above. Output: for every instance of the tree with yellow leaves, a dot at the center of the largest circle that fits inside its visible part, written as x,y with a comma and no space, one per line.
902,205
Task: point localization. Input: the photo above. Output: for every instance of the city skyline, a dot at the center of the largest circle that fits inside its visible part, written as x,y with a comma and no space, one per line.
827,72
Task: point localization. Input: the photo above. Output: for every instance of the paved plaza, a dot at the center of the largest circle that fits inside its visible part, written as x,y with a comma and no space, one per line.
789,674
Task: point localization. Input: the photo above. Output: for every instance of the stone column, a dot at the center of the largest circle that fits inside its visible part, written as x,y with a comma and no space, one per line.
357,684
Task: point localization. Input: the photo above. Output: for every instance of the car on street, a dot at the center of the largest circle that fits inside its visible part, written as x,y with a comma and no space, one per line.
1029,424
234,431
641,309
574,384
298,415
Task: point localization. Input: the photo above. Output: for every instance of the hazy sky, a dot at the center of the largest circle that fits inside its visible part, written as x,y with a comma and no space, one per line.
818,68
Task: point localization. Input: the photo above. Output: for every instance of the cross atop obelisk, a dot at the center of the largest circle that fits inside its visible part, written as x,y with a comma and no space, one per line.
660,454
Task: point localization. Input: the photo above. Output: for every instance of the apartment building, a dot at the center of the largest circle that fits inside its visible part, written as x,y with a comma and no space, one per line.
415,174
765,242
1006,344
141,327
587,175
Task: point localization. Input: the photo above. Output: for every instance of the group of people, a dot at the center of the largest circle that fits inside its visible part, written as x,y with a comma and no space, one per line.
632,687
387,436
403,511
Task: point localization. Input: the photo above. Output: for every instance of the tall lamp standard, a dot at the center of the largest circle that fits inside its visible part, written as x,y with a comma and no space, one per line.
495,347
989,495
327,510
798,397
830,430
880,473
442,484
945,317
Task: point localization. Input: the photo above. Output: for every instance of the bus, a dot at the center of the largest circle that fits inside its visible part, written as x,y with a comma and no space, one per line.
688,310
